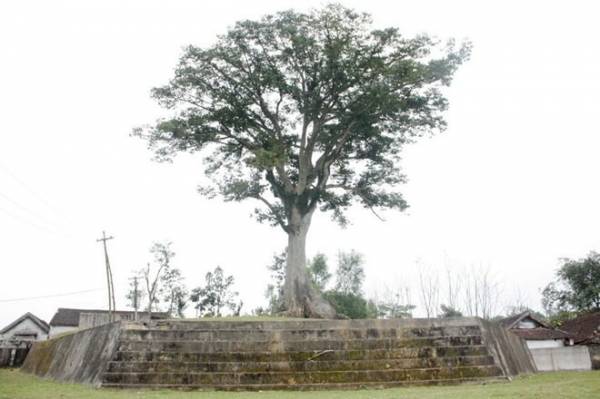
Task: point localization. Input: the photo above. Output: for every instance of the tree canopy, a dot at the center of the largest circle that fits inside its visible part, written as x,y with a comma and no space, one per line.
319,271
305,111
577,287
299,110
216,295
350,273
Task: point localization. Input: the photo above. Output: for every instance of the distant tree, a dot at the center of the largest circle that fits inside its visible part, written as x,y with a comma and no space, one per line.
481,292
518,303
558,318
274,292
394,310
429,287
349,274
300,111
394,304
151,275
135,294
173,292
372,309
576,288
319,271
454,286
216,295
346,297
448,311
554,299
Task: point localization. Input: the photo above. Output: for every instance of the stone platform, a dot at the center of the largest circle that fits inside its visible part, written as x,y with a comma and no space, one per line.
297,355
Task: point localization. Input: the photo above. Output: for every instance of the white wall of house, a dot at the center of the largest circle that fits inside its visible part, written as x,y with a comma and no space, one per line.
527,323
546,343
25,325
57,330
89,320
567,358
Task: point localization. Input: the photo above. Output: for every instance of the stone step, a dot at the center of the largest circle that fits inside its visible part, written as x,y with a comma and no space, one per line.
291,335
311,387
163,366
295,378
300,345
267,356
301,324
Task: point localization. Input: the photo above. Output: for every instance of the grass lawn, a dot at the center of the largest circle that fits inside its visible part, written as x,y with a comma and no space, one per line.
580,385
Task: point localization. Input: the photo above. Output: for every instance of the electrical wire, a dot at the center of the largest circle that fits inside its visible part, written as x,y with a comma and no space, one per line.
28,188
50,296
31,213
32,224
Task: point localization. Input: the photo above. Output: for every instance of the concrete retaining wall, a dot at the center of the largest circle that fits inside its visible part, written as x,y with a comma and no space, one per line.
509,350
79,357
567,358
268,354
595,356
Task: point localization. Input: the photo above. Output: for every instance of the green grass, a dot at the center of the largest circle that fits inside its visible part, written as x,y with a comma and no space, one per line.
581,385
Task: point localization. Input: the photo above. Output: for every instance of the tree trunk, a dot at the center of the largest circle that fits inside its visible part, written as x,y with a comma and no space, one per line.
302,299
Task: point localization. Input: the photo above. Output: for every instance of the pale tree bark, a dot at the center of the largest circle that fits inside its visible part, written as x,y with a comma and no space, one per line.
151,287
429,285
302,299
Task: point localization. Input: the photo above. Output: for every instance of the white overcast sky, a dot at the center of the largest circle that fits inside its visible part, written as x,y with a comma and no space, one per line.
511,185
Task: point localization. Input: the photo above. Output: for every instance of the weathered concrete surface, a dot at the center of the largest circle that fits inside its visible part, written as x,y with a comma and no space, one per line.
79,357
13,357
297,354
305,324
566,358
595,356
509,350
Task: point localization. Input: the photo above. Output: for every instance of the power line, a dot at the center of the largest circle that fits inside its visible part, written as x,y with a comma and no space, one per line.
50,296
35,215
28,188
32,224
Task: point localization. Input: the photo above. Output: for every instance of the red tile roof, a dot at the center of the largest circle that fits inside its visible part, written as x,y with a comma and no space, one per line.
540,333
585,328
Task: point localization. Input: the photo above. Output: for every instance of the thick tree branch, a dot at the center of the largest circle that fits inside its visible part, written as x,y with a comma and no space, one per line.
280,221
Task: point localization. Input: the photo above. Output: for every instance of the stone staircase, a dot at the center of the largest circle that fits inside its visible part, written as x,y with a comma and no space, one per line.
301,355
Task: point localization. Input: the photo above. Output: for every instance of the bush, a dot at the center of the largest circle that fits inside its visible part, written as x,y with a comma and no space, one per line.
349,305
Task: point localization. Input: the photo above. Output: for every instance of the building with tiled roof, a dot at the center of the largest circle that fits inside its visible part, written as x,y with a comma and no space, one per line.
536,333
584,328
28,327
67,319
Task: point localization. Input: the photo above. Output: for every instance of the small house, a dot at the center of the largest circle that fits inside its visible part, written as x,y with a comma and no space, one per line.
585,330
536,333
67,319
551,348
28,327
17,337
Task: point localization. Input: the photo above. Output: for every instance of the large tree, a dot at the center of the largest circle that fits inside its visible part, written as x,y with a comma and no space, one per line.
301,111
577,287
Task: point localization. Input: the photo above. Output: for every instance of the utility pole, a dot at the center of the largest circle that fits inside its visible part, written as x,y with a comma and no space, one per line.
109,279
135,297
